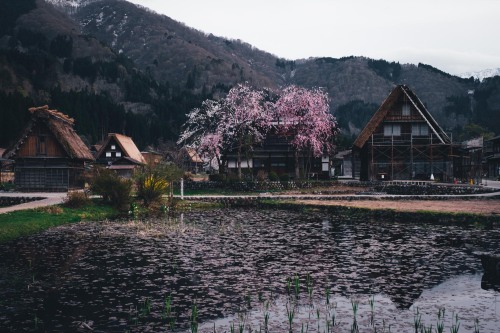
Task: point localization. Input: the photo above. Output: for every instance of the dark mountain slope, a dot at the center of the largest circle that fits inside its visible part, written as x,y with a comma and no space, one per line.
173,52
45,59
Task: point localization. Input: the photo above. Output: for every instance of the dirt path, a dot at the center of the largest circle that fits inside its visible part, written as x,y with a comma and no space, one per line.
485,207
50,199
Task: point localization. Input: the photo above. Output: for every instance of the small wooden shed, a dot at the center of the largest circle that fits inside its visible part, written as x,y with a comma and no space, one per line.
49,155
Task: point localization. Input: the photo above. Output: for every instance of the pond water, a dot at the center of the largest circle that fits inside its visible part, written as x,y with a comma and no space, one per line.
255,269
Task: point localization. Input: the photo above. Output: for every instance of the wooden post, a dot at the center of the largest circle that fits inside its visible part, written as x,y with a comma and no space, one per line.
372,168
411,157
182,188
392,157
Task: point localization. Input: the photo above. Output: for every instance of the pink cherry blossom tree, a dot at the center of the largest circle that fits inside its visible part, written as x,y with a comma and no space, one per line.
246,121
210,148
235,123
200,122
201,130
304,116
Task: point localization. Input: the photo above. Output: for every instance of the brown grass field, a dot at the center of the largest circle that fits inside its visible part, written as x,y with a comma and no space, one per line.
476,206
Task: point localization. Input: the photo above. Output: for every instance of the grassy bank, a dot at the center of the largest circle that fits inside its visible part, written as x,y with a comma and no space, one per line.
21,223
25,222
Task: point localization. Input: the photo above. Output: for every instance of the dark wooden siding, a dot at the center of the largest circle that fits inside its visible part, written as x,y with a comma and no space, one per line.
31,148
43,179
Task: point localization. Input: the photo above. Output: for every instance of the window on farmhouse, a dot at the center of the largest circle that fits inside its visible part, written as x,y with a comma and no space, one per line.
406,110
392,130
419,129
41,148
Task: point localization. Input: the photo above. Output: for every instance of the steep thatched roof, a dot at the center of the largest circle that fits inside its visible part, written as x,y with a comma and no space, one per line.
126,144
386,106
61,127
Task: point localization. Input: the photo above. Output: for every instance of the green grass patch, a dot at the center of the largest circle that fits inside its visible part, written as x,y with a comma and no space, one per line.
187,205
25,222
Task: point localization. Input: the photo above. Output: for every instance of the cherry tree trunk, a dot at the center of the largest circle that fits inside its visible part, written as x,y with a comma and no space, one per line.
297,169
239,162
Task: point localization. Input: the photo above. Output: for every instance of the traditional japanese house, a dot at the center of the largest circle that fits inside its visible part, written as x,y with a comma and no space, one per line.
119,153
190,160
49,155
492,158
342,164
402,141
94,149
467,165
152,158
277,155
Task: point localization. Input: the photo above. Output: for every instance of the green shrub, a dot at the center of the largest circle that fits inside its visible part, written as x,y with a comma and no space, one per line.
113,189
154,181
273,176
6,186
76,199
151,187
232,177
216,177
284,177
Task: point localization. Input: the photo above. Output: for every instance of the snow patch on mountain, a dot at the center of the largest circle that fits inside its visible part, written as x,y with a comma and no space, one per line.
70,6
481,75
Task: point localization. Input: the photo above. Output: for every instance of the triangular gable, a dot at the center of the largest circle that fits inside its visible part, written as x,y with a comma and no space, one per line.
387,105
126,144
193,155
61,126
437,130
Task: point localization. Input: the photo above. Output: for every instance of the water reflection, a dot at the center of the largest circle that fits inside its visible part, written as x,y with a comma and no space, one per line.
459,292
326,225
119,275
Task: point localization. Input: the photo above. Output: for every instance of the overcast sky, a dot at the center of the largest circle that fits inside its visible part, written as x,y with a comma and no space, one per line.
455,36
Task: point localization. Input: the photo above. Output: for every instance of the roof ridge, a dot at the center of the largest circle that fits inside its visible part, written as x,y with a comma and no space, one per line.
55,113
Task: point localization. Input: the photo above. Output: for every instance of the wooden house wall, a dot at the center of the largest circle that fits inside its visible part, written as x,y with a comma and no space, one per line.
41,142
491,151
51,174
277,155
31,148
395,116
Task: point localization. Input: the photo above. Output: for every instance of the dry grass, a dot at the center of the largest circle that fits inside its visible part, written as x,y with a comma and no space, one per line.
483,207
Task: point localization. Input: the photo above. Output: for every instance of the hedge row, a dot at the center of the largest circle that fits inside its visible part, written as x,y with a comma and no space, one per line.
12,201
254,186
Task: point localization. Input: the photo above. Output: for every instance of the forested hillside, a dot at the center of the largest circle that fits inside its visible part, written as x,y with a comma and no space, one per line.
45,59
118,67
